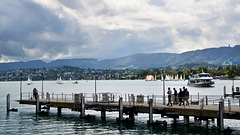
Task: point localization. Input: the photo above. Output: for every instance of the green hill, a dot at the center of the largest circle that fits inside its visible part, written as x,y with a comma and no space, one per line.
215,56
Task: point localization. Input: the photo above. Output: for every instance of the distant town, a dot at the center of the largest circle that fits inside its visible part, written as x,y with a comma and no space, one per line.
75,73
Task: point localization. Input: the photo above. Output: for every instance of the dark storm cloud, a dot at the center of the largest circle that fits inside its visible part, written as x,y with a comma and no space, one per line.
30,31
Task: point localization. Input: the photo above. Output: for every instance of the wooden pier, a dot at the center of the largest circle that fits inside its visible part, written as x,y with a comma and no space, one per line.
107,102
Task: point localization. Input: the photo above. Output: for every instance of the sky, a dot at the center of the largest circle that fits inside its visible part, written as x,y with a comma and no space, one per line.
104,29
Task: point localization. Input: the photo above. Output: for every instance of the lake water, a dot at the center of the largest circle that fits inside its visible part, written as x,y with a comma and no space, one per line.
25,121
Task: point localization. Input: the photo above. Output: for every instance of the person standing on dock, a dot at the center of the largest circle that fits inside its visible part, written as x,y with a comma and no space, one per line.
186,96
175,96
180,97
169,96
35,93
183,93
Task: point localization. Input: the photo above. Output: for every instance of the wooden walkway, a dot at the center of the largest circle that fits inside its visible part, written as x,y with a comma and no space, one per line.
207,111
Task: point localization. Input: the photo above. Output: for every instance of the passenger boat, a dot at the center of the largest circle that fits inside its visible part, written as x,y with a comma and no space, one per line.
200,80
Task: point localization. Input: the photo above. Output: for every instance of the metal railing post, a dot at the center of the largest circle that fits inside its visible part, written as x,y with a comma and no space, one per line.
229,105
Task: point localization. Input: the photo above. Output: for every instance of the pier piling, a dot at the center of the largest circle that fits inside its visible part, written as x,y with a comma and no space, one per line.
103,114
38,107
186,120
120,109
82,106
229,105
150,102
220,118
8,102
59,111
224,91
206,100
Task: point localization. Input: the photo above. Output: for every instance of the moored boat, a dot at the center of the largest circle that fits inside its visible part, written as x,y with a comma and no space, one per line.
150,78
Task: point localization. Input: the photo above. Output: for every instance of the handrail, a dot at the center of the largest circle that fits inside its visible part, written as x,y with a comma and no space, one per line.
135,100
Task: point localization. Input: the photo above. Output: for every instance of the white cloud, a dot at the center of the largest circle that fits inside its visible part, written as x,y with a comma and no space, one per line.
48,30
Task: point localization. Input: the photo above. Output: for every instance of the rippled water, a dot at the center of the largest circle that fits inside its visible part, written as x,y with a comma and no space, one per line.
25,121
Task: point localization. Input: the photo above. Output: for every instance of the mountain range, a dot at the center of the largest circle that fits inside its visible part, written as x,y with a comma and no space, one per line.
216,56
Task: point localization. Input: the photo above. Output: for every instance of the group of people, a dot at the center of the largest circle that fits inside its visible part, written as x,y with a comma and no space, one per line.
180,97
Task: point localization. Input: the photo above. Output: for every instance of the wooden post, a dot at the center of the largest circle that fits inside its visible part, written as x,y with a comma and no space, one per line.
202,104
239,103
37,104
53,95
82,106
65,98
133,99
229,105
186,120
206,100
196,121
220,118
103,114
8,102
125,97
198,99
164,92
76,100
150,102
59,110
224,91
129,99
120,109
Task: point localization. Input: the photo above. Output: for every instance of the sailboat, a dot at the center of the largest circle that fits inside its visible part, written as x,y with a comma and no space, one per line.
29,81
59,81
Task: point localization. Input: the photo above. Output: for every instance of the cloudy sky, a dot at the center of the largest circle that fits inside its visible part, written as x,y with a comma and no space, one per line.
62,29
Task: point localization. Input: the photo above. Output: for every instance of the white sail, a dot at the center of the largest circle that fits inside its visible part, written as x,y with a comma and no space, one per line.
29,81
180,78
59,81
168,78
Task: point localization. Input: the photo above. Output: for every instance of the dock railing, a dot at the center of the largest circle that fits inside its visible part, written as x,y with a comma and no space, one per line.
135,100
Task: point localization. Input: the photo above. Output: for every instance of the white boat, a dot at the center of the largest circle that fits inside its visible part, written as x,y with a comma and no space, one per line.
59,81
150,78
201,80
29,81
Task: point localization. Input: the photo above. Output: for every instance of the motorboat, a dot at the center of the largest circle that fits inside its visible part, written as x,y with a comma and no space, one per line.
201,80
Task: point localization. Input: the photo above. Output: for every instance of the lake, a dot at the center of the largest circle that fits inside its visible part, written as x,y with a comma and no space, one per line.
25,121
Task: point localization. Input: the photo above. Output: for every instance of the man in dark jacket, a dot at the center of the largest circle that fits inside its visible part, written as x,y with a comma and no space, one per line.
180,97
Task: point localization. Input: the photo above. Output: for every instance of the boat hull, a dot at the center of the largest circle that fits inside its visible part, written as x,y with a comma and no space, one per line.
201,84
